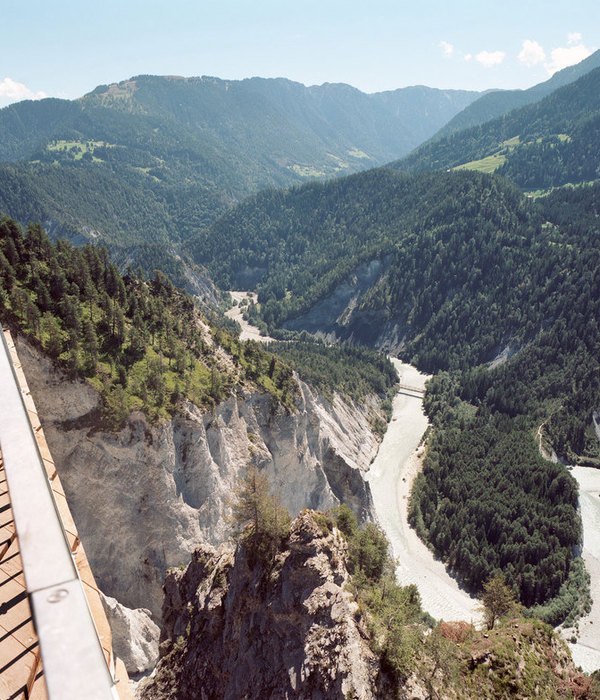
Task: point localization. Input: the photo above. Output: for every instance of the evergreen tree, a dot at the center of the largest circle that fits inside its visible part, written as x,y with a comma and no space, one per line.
497,600
260,523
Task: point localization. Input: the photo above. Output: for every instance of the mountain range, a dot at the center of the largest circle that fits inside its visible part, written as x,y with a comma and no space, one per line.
439,257
550,143
148,164
142,164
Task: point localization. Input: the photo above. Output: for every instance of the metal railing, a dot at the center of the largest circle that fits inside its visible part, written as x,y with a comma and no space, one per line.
72,655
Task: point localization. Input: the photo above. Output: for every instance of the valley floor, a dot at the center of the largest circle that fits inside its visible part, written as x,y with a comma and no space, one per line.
391,475
235,313
586,653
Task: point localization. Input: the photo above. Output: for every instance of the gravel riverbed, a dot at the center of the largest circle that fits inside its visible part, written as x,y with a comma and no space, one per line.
391,476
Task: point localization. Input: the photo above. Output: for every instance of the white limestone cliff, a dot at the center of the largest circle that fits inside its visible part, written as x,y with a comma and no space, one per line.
144,498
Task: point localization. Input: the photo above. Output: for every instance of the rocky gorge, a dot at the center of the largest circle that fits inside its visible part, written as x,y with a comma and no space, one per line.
146,496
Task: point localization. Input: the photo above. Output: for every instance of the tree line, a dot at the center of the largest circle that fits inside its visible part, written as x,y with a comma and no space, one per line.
140,341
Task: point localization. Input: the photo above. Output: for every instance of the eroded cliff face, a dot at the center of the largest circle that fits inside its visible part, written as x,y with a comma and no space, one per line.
338,316
135,635
144,498
231,631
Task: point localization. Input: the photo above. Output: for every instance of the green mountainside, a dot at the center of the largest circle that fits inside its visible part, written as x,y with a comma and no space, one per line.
139,221
498,102
318,130
143,164
462,266
296,247
144,344
551,143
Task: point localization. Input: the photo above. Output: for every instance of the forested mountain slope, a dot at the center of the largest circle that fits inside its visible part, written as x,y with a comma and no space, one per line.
498,102
457,264
142,164
140,221
480,499
550,143
142,343
431,238
450,269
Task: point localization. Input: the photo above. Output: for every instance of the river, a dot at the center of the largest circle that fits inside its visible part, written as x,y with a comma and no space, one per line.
236,312
586,653
391,476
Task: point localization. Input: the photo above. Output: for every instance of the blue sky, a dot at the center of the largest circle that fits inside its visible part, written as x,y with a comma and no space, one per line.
64,48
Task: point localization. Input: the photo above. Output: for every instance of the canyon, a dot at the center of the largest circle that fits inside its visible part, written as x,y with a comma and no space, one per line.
146,496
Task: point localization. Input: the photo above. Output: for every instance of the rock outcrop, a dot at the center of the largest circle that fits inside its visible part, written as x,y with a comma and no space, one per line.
339,317
231,631
144,498
294,630
135,635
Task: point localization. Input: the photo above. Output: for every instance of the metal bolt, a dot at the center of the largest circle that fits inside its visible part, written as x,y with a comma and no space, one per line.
58,595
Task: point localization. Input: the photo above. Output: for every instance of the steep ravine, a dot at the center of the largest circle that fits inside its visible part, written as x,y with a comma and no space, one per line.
146,497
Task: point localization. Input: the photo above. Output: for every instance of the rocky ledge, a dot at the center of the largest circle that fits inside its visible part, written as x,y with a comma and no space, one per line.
293,631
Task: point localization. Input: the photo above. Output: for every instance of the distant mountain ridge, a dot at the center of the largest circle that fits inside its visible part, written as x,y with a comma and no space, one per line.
498,102
335,116
550,143
152,160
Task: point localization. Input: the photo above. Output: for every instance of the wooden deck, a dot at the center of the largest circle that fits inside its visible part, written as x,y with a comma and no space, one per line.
21,674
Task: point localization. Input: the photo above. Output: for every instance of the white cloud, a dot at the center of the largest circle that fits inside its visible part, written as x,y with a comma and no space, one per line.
564,56
531,53
447,48
467,57
573,38
490,58
11,91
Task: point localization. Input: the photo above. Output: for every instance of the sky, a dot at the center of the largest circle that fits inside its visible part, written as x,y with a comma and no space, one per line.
65,48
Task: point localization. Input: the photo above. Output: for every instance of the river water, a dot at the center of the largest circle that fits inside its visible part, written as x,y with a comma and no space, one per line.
391,476
586,653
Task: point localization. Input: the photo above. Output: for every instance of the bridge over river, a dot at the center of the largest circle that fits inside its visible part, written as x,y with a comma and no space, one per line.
411,390
391,476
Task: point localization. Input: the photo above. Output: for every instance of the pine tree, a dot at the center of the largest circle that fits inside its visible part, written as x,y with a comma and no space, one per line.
497,600
260,523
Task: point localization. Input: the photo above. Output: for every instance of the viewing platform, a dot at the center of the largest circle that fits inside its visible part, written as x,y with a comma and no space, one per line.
55,640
